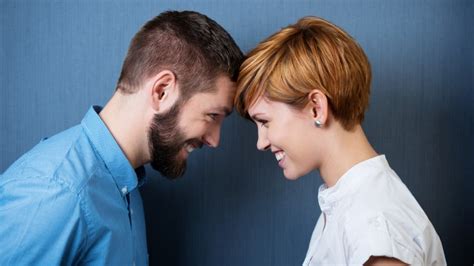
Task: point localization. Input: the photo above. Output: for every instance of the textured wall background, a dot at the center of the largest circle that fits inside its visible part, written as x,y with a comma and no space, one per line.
234,206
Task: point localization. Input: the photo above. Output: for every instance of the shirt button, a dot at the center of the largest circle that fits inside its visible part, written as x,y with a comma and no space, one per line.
124,190
131,211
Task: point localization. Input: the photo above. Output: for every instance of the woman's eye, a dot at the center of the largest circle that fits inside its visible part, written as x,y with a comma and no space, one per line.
263,123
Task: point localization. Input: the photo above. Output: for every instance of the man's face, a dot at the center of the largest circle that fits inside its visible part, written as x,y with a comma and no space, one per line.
185,127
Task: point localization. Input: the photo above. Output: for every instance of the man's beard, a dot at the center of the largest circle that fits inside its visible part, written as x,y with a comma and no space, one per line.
166,143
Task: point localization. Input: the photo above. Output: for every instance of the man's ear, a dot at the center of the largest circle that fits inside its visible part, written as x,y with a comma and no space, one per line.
164,90
319,106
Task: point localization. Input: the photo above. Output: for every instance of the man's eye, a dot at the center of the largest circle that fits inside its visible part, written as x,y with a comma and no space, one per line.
213,116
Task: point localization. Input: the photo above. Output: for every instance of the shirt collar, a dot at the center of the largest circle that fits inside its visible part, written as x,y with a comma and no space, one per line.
124,175
349,182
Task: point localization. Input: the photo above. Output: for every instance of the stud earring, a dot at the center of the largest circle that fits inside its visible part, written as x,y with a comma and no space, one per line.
318,124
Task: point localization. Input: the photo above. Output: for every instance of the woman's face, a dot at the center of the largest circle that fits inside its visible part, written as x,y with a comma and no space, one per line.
288,133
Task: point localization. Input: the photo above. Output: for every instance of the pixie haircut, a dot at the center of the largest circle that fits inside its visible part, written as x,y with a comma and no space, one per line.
191,45
311,54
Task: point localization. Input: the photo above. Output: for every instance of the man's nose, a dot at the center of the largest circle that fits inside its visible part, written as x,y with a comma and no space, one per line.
212,138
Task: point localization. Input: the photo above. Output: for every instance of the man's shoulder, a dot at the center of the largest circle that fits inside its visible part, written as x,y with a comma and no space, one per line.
66,158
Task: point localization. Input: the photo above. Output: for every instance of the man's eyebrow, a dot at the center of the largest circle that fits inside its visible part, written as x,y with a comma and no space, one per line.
225,110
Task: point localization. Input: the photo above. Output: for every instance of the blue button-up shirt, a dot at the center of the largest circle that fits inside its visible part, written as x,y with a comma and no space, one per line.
73,199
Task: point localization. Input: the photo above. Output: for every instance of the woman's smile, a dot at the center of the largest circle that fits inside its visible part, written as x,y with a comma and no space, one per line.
280,157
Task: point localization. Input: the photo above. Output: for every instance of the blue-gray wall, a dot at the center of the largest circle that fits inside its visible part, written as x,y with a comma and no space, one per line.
234,207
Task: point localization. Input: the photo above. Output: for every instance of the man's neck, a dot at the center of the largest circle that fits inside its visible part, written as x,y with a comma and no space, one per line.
124,117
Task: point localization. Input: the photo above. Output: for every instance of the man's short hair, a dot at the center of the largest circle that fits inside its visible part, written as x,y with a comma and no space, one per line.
191,45
311,54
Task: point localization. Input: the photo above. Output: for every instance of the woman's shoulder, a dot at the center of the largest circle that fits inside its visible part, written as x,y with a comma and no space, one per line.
385,198
386,223
383,218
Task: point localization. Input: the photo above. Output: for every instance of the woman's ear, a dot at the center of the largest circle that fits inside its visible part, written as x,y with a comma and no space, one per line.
164,90
318,102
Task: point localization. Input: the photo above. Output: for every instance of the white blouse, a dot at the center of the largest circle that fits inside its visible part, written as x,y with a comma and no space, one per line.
370,212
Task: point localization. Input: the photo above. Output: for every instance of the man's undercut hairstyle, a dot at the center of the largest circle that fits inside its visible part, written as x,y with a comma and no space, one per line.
311,54
191,45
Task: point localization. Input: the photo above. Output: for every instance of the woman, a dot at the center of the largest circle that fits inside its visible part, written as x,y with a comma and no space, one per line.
307,87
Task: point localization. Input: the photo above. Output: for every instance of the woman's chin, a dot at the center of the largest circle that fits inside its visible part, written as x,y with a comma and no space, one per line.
290,175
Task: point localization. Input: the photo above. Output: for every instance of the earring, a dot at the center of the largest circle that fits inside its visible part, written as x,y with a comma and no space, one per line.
318,124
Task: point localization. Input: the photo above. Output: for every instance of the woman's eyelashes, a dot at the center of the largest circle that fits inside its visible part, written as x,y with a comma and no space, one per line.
262,122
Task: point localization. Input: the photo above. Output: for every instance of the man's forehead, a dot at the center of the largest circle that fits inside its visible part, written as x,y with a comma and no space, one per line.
224,83
221,99
224,89
217,95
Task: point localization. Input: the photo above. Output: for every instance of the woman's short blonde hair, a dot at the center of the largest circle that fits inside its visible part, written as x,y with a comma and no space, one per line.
311,54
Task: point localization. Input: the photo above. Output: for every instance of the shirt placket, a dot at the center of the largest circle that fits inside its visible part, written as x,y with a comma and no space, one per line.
128,201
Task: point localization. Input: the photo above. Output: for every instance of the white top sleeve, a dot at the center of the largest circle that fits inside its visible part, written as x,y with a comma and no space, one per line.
379,236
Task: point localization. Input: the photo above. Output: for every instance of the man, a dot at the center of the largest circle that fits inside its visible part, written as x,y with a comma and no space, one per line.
73,198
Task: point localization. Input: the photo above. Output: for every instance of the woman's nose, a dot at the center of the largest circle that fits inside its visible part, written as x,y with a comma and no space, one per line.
262,142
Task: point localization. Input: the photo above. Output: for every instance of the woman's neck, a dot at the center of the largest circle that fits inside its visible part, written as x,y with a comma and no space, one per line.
346,149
